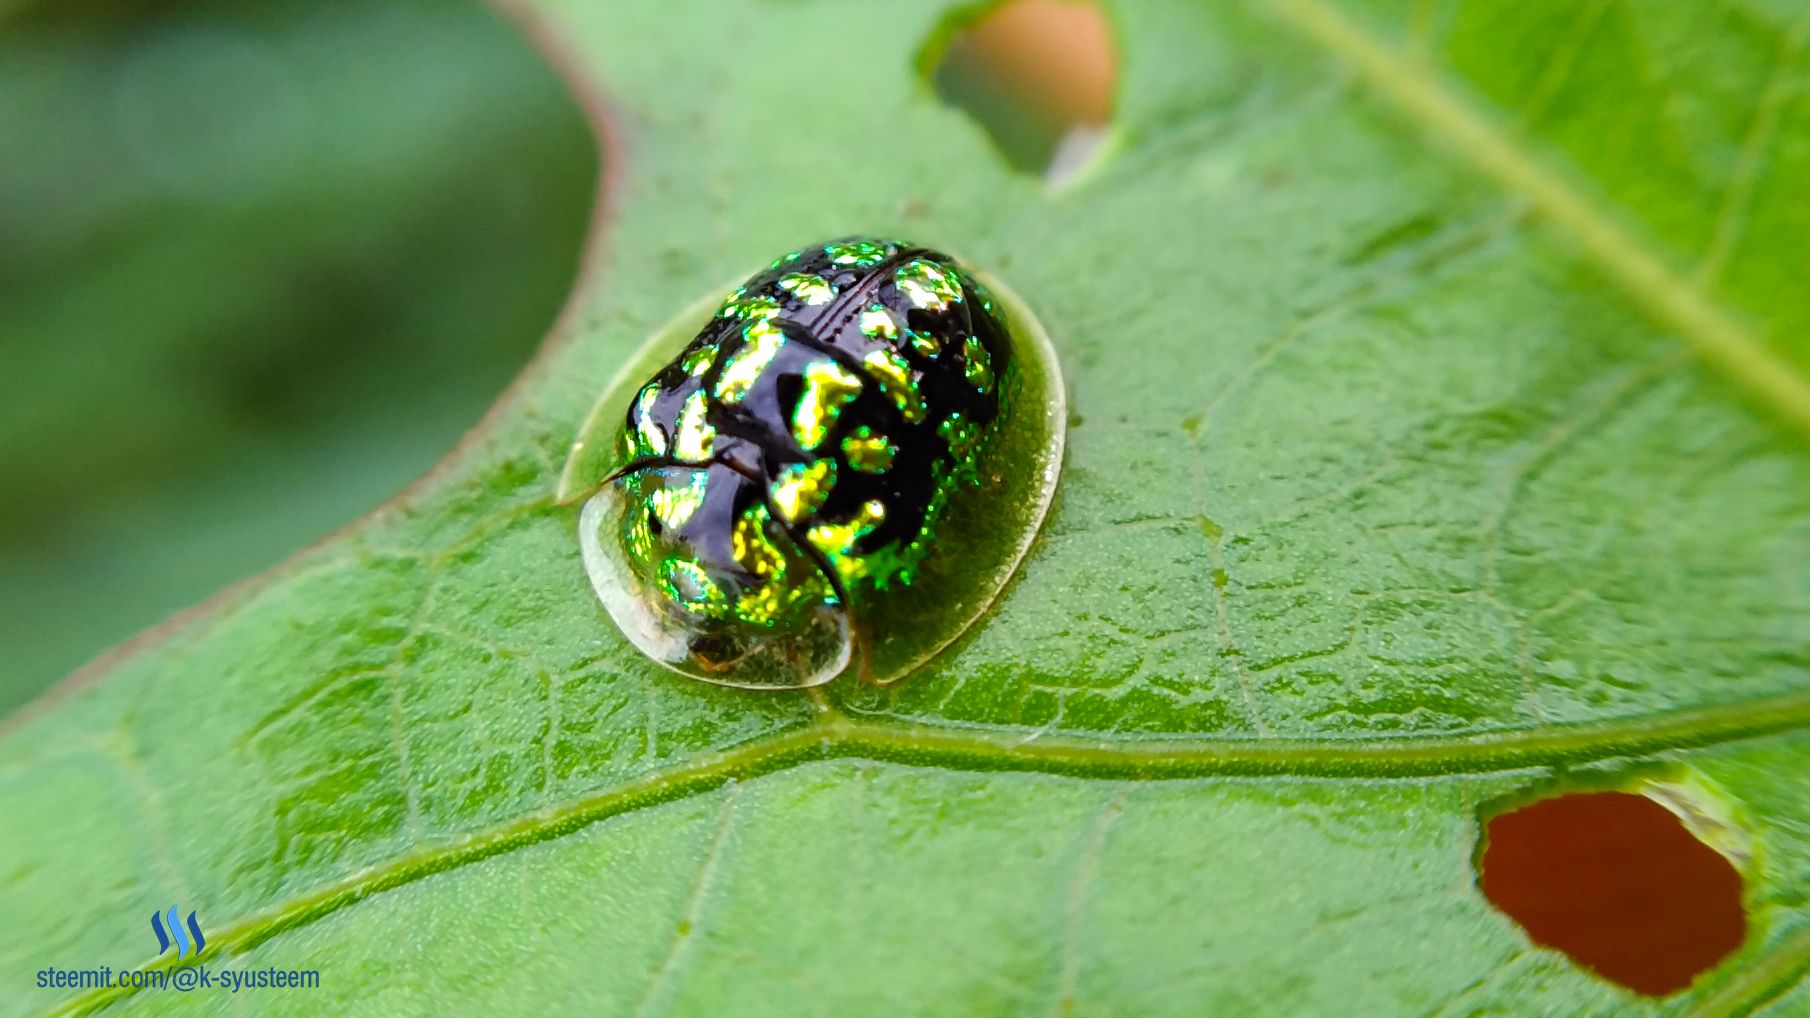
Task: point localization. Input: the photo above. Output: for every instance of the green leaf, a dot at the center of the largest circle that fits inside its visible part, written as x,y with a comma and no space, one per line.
1439,435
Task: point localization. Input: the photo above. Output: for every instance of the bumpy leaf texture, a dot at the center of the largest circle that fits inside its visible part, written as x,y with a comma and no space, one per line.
1440,421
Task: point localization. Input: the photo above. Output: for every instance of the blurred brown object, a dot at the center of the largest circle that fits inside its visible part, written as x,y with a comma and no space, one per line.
1056,54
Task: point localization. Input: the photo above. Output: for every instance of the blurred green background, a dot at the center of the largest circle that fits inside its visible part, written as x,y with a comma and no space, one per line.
260,266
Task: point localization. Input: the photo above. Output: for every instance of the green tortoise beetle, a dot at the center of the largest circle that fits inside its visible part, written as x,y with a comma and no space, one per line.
776,491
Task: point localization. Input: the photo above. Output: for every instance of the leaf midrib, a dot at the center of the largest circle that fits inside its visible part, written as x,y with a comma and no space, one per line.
834,736
1715,334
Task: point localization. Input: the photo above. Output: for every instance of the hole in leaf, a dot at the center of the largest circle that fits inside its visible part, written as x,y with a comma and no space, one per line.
1617,882
1038,75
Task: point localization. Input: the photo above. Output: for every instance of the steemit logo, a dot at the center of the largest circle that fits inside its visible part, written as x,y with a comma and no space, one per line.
184,945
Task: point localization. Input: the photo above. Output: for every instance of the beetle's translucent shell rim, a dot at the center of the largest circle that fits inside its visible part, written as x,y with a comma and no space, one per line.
970,565
803,659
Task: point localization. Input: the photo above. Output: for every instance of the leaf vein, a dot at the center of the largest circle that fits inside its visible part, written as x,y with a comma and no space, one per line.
1738,196
835,737
694,903
1718,336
